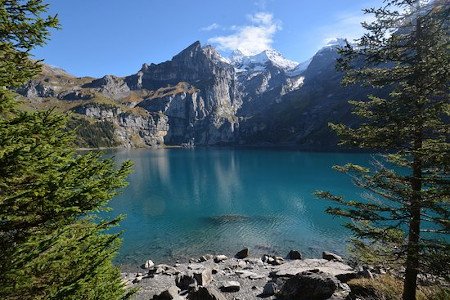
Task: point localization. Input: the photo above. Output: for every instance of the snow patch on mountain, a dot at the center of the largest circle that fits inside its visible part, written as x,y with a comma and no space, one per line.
259,61
299,69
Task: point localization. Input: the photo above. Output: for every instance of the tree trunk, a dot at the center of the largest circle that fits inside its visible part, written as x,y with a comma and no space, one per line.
413,247
413,250
412,258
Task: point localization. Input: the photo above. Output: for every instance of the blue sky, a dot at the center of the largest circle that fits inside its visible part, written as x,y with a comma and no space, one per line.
101,37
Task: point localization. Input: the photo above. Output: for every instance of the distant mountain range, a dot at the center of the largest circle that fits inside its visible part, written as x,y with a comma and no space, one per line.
200,96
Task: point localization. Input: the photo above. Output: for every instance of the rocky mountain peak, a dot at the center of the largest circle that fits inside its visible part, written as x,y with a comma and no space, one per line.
213,54
190,52
53,71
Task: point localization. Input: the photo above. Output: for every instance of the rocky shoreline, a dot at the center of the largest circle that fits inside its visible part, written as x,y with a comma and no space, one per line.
244,277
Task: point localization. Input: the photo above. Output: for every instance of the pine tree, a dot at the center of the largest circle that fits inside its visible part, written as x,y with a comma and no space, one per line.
52,245
405,209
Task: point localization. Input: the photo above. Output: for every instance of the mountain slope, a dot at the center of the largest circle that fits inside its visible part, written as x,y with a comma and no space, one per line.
198,95
301,118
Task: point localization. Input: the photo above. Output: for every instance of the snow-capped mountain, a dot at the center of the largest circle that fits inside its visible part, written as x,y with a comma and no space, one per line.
259,61
299,69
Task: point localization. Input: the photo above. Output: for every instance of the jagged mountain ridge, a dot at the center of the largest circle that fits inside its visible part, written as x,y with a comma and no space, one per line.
197,95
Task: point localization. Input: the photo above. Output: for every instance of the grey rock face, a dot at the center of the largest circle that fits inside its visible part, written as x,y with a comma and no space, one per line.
72,95
110,86
131,130
35,89
207,115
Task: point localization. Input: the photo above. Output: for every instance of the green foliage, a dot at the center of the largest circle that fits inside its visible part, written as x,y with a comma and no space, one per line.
21,29
405,211
51,246
93,134
387,287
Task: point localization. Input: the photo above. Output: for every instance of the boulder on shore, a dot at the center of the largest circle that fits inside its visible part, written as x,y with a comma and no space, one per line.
169,294
294,254
185,281
242,254
148,264
231,286
219,258
331,256
310,285
204,293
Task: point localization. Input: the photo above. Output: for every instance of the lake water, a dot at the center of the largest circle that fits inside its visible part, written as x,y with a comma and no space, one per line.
185,203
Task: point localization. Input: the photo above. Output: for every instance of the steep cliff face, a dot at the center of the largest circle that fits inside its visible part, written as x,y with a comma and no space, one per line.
131,129
207,113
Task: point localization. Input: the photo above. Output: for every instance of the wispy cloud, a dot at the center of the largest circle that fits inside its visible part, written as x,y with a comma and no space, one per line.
251,38
346,25
210,27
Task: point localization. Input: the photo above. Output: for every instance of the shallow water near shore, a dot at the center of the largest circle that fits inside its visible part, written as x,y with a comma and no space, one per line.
184,203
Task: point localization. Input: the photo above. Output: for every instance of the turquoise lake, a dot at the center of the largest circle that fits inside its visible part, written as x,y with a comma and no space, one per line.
185,203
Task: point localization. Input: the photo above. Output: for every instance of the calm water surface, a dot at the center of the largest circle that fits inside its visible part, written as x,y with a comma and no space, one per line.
185,203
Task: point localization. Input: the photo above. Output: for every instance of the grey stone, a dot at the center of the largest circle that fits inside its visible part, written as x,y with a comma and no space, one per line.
242,264
206,293
203,277
195,266
206,257
230,286
270,289
220,258
245,273
185,281
149,264
294,254
331,256
310,285
169,294
242,254
338,269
